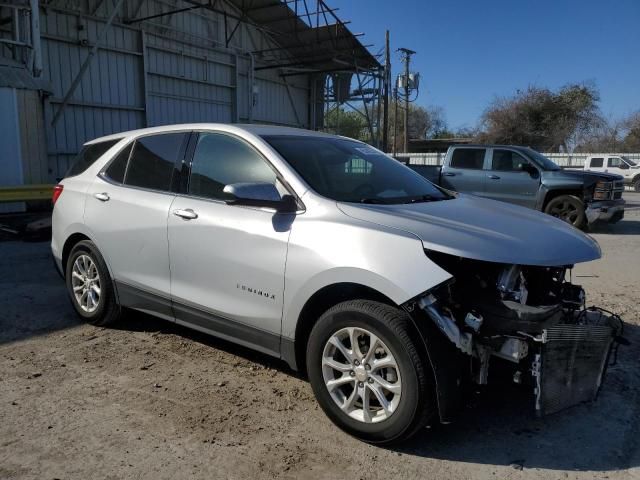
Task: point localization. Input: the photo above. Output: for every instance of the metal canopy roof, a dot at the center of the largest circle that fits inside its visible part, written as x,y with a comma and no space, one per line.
323,47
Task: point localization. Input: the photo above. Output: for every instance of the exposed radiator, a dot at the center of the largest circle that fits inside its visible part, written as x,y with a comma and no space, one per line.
570,365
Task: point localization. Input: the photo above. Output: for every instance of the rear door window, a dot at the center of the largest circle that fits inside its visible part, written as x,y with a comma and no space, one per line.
88,155
152,161
597,162
470,158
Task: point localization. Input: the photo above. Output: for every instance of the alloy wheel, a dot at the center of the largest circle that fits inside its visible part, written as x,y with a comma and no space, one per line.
361,375
85,281
565,211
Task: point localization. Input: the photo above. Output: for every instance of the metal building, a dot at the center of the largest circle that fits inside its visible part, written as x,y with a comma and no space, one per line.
73,70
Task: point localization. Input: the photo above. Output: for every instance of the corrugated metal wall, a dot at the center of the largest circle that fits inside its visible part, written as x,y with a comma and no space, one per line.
172,69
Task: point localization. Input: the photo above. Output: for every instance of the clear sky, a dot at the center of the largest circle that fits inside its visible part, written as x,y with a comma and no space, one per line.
470,51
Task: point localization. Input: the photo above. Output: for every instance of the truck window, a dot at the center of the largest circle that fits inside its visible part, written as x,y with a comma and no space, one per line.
471,158
507,161
596,162
616,162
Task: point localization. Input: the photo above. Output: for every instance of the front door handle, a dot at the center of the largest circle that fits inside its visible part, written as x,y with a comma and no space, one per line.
187,214
103,197
494,177
448,174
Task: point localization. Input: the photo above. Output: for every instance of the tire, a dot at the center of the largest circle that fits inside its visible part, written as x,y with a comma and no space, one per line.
568,208
99,306
410,406
636,184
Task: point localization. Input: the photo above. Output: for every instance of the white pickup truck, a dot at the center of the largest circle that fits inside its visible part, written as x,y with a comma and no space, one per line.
618,164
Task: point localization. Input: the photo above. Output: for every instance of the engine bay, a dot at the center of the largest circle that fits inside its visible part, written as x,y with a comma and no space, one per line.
529,320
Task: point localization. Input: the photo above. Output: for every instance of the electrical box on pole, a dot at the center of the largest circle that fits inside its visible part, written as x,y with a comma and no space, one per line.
407,82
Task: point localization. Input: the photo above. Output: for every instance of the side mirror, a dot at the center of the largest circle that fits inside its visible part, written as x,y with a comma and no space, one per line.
260,194
530,169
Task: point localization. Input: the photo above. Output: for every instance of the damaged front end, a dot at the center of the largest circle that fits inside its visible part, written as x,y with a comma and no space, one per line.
529,321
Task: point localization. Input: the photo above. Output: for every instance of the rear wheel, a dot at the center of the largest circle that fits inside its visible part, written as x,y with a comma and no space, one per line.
89,285
367,373
568,208
636,184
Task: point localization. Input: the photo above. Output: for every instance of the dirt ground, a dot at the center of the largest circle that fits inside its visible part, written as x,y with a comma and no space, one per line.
152,400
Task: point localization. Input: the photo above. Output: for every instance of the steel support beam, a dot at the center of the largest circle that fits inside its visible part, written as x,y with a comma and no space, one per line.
164,14
264,7
308,63
301,45
293,16
85,64
35,39
293,103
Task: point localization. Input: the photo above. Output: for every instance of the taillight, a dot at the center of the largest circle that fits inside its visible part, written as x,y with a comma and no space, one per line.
57,191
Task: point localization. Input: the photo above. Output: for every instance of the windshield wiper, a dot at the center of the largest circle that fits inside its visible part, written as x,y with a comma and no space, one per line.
423,198
374,200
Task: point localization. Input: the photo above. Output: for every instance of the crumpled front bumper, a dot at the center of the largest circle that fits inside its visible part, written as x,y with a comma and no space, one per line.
610,211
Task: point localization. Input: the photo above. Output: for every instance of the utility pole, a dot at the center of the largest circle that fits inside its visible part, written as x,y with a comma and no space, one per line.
386,92
395,120
406,58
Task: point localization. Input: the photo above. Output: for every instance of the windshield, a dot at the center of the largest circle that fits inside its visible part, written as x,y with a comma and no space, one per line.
542,161
629,161
350,171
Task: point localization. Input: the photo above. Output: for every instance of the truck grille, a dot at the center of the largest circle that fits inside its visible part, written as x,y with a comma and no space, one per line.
618,188
570,365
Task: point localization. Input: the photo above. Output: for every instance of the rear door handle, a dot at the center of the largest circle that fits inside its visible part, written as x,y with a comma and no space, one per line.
448,174
103,197
187,214
494,177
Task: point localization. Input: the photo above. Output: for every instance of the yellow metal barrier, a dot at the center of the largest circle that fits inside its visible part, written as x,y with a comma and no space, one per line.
24,193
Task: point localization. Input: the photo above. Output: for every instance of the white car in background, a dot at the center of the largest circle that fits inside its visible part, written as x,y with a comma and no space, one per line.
391,293
618,164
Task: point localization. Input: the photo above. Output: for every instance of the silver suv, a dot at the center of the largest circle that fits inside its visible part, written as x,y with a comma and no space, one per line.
391,293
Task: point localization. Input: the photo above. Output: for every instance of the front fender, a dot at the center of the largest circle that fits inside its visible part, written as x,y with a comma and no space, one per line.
323,253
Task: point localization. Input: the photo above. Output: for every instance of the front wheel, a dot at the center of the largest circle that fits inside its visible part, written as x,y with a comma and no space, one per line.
568,208
367,372
636,184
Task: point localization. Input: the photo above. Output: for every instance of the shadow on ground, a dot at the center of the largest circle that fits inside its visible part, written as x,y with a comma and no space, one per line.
623,227
496,428
499,427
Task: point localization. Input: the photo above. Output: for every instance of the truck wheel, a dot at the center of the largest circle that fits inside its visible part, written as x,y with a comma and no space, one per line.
568,208
366,372
89,285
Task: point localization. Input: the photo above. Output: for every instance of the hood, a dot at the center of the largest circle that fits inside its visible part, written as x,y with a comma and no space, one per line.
481,229
589,177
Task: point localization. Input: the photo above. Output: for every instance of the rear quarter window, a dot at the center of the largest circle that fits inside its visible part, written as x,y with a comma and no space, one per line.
88,155
470,158
116,169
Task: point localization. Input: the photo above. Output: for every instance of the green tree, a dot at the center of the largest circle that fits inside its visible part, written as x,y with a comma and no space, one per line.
349,123
424,122
613,136
631,140
543,119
